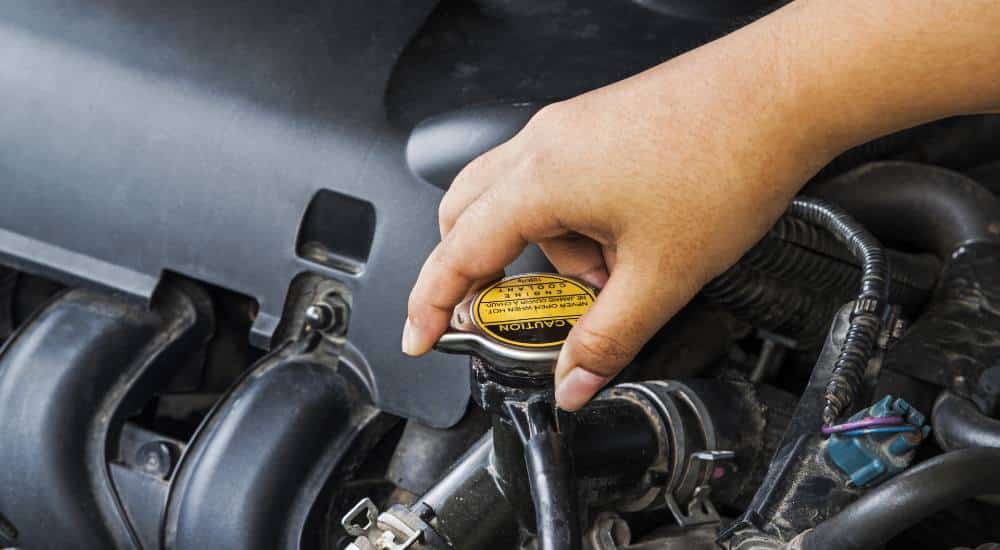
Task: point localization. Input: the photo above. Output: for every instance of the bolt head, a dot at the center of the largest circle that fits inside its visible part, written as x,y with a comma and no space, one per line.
318,317
155,458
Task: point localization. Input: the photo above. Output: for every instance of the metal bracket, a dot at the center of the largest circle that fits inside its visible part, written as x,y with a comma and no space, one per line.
378,531
700,510
349,521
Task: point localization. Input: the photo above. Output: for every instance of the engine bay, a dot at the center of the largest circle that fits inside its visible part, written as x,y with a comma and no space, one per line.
213,212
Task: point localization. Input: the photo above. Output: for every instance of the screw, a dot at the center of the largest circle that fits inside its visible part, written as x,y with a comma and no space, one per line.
155,458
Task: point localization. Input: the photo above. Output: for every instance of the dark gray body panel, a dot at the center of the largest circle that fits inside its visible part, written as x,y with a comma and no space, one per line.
142,136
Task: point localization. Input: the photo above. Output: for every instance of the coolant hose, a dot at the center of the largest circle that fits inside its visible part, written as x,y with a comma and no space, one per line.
889,509
546,456
959,424
915,206
548,462
870,305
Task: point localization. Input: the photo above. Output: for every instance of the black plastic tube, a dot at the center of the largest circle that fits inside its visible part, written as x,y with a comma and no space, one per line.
915,206
888,510
959,424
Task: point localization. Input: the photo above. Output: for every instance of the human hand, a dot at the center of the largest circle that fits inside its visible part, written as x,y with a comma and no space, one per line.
646,188
651,186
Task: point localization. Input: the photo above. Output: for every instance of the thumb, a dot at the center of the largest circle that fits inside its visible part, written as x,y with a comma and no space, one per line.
633,305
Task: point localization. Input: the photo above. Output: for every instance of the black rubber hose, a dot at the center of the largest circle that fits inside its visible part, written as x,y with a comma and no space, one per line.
870,305
546,456
918,272
915,206
548,461
959,424
900,503
808,263
770,304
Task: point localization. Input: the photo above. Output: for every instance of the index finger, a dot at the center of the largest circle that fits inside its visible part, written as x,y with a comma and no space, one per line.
489,234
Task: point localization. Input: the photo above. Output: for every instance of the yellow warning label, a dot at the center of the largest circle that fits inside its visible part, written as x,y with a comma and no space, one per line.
533,310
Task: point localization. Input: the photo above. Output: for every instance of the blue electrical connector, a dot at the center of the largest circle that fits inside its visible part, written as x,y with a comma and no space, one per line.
870,455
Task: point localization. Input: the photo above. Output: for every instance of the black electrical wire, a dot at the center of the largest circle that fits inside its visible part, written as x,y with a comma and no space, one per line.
902,502
870,306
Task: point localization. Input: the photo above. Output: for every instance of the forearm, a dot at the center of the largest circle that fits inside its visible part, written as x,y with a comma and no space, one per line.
820,76
868,68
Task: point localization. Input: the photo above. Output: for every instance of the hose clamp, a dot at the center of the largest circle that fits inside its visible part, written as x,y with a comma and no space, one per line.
694,454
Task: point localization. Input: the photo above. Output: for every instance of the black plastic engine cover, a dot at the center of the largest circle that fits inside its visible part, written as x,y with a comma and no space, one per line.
144,136
242,143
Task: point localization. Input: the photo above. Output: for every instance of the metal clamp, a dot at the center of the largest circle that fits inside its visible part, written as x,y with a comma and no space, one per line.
700,510
378,531
690,433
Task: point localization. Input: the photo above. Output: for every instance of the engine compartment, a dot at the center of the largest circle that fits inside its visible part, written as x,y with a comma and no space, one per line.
213,212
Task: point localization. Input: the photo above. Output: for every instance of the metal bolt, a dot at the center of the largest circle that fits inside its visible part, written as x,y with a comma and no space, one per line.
319,317
328,315
155,458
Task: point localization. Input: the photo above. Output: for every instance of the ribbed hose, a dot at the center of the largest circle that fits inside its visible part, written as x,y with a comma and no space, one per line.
796,251
767,303
801,232
870,305
791,281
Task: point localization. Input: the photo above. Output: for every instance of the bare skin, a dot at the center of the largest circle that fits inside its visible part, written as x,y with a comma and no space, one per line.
666,178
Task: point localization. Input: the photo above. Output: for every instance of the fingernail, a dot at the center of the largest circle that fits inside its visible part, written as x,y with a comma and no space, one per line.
596,278
579,385
411,339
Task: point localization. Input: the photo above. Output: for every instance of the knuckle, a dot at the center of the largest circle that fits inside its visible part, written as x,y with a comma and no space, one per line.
415,305
477,170
447,211
535,143
547,115
534,163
